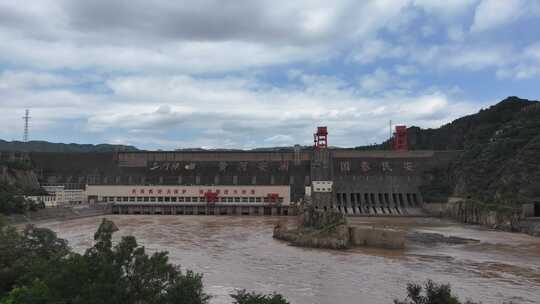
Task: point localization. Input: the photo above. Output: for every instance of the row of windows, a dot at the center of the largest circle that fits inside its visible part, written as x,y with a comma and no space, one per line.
193,199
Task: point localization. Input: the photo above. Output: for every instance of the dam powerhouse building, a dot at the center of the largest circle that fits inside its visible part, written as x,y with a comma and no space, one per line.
352,181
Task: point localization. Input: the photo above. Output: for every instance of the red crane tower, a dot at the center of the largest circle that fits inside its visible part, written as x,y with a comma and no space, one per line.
400,142
321,138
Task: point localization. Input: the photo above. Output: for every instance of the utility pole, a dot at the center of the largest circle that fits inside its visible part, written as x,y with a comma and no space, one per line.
26,119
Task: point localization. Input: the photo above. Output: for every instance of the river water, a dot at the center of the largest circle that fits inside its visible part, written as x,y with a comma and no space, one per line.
239,252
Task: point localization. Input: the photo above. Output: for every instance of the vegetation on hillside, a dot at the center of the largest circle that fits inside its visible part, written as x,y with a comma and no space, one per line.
11,202
12,193
45,146
499,163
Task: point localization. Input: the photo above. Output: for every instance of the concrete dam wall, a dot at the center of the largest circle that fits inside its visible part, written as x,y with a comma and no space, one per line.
363,182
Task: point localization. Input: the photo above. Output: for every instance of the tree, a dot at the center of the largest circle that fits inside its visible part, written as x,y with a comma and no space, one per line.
244,297
38,267
37,293
430,293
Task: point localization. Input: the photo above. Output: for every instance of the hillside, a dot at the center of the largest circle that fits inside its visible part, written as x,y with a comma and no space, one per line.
45,146
16,179
501,153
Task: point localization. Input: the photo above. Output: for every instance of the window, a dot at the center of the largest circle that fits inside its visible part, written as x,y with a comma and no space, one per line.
146,199
252,200
167,199
244,199
181,199
237,199
160,199
229,199
194,199
258,199
153,199
188,199
131,198
173,199
139,199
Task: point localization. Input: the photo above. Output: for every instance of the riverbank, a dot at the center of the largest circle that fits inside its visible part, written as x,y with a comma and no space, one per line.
474,213
56,214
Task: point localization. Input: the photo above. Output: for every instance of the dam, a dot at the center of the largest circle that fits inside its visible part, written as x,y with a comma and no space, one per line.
355,182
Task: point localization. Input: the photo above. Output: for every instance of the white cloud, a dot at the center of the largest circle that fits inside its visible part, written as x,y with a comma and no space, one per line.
373,50
210,71
490,14
30,79
375,82
527,64
243,111
384,82
280,140
445,8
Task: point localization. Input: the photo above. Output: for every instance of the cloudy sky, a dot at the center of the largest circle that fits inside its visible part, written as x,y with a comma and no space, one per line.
252,73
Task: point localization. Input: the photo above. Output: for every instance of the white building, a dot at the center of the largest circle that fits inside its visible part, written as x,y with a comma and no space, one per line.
50,201
256,195
66,196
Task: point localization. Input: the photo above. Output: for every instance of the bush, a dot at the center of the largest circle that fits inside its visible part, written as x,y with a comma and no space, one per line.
243,297
430,293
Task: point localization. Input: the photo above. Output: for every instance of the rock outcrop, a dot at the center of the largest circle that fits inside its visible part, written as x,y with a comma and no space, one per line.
316,228
329,229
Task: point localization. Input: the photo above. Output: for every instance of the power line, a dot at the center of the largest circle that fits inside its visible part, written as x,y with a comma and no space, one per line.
26,119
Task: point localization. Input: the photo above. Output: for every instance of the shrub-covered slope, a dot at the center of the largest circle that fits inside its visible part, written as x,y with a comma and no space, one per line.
501,154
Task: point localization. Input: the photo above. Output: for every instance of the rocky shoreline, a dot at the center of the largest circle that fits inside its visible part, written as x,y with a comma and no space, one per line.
470,212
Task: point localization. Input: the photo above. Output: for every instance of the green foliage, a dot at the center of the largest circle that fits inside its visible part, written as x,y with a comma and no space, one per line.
12,200
37,267
430,293
16,164
243,297
37,293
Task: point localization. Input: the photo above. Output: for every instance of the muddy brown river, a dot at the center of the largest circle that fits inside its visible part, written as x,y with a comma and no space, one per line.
239,252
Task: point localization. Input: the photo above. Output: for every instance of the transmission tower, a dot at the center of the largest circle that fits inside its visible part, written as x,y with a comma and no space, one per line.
26,119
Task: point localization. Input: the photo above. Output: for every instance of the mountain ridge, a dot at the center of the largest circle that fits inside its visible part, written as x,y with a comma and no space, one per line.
45,146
